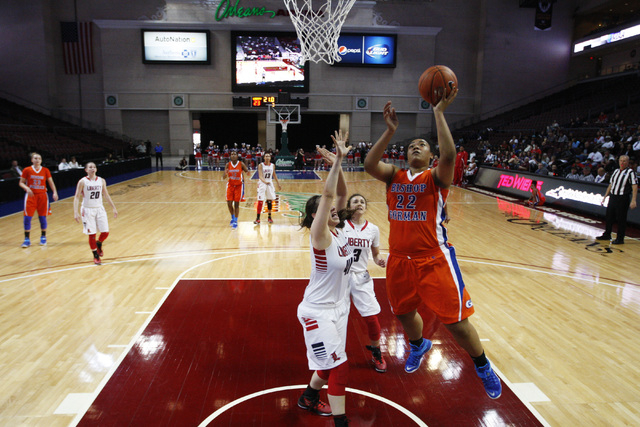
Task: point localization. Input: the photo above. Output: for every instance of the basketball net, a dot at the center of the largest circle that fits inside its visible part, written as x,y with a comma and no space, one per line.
284,122
318,30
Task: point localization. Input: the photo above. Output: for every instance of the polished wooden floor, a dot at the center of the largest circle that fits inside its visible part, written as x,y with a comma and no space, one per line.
558,312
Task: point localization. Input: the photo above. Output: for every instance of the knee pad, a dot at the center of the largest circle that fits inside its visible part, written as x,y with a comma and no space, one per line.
338,380
27,223
373,325
43,222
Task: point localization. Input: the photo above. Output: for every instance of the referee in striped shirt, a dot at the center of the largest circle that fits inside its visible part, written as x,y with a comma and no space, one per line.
623,189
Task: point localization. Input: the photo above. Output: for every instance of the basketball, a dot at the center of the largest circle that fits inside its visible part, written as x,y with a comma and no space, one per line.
433,82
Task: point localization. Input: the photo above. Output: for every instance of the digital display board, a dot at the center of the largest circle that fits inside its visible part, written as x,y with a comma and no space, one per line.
267,62
176,47
367,50
576,195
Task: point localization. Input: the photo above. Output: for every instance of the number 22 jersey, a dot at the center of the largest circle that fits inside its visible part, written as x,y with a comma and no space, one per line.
416,211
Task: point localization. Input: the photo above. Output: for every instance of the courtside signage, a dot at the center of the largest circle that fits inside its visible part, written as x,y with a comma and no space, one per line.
584,197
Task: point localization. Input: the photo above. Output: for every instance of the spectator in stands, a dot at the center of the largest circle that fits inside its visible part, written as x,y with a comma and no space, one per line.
109,159
64,165
586,174
636,148
542,170
601,177
608,143
140,148
491,158
595,157
73,164
602,118
573,174
563,138
16,170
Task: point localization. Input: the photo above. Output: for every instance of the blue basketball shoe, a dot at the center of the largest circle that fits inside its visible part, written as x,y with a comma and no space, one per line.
491,382
415,357
43,240
26,242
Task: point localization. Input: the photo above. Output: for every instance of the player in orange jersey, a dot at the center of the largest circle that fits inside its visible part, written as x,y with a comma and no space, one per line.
422,265
234,171
34,181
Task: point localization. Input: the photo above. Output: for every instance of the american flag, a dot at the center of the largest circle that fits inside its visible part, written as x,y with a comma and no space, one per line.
77,47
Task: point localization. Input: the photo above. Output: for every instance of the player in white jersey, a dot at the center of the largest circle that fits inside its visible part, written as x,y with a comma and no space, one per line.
266,189
364,237
324,310
92,189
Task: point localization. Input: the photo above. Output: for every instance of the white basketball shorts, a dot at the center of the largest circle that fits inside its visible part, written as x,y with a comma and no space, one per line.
94,220
325,334
363,294
266,191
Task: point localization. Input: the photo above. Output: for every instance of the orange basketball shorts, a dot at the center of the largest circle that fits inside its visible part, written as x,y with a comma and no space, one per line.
39,202
434,280
234,193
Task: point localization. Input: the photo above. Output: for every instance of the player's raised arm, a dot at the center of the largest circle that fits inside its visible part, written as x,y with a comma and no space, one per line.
443,173
372,164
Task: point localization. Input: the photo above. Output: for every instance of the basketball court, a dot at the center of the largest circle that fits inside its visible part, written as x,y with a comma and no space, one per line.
189,322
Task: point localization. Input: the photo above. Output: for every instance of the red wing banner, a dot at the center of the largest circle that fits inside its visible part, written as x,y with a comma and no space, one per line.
544,10
77,47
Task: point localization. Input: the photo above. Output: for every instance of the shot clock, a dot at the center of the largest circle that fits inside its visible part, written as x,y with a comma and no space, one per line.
262,101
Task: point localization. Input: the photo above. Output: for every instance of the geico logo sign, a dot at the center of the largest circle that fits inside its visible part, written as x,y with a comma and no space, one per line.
343,50
378,50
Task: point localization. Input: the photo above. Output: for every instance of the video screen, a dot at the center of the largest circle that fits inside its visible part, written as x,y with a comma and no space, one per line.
267,62
367,50
175,47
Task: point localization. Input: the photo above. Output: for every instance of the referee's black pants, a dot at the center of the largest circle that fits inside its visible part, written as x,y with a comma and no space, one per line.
159,157
617,213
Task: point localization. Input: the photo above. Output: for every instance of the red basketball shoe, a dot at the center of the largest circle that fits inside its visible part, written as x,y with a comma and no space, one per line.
316,406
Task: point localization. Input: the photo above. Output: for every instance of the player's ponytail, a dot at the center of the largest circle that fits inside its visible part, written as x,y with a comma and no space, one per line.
310,208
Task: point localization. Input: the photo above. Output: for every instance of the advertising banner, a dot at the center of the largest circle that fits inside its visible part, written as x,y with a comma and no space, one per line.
580,196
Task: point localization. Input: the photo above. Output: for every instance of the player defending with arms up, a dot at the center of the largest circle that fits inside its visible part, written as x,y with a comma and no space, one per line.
92,189
234,170
422,265
324,310
266,190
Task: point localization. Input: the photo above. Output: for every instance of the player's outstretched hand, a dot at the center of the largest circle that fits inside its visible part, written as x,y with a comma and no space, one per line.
340,142
327,155
446,100
390,117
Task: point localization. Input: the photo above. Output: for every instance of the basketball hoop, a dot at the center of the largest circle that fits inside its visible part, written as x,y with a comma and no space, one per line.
318,30
284,122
